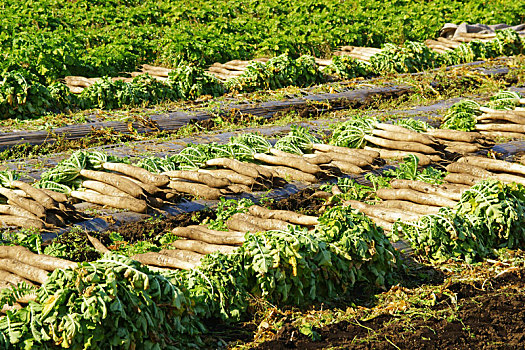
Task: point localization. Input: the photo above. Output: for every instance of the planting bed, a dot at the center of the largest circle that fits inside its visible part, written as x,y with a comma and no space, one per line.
349,230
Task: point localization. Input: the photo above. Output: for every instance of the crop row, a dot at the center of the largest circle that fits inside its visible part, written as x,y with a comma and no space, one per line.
248,162
23,95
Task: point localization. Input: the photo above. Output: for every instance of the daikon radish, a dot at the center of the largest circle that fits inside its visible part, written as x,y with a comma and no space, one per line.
513,118
26,271
138,173
408,206
114,180
354,159
318,158
386,214
22,222
230,175
42,261
266,224
400,145
424,187
209,236
514,128
455,135
466,179
184,255
13,278
200,177
293,174
16,211
494,165
129,203
470,169
296,163
395,130
104,188
503,134
404,137
149,188
345,150
235,165
57,196
414,196
156,259
390,154
243,226
284,215
195,189
346,167
202,247
37,194
28,204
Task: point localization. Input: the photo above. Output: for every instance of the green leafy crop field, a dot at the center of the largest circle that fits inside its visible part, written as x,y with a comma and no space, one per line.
46,40
95,38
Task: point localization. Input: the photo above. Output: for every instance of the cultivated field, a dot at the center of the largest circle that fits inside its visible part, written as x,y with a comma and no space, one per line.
264,175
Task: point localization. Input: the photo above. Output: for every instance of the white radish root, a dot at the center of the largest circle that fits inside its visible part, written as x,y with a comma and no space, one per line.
138,173
195,189
202,247
129,203
284,215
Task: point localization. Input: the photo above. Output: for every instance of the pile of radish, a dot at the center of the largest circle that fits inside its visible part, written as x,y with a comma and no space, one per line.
458,141
408,200
93,178
471,170
30,207
390,141
396,141
20,265
198,240
408,136
502,123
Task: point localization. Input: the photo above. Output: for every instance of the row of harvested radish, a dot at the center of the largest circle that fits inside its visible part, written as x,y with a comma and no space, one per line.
230,176
199,240
428,146
31,207
18,264
129,187
408,200
471,170
501,123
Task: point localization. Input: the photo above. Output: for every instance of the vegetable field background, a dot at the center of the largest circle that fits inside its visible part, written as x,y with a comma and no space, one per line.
261,175
97,38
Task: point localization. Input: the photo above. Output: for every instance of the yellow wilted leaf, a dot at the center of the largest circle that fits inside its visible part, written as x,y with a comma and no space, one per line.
293,262
48,305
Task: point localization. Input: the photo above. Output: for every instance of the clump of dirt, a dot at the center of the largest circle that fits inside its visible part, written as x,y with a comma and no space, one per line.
146,229
301,202
75,246
492,318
